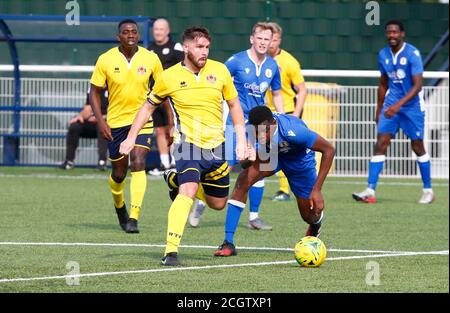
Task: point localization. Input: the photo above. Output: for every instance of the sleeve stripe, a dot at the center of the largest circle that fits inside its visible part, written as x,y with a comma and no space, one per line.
153,103
158,98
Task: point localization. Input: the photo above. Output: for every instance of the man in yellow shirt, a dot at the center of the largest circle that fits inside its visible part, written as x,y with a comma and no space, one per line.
293,90
195,88
127,71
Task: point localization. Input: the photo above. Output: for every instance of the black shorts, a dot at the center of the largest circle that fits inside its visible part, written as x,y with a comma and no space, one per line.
205,166
120,134
159,116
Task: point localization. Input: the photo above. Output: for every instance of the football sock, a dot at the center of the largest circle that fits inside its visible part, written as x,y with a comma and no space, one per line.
284,185
137,191
425,170
375,167
234,211
178,215
255,195
165,160
117,192
320,219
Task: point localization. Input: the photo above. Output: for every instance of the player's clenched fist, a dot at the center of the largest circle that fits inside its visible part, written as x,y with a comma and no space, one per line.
241,151
126,146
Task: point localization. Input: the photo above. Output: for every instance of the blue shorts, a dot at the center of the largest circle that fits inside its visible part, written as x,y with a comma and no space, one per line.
301,182
205,166
120,134
412,121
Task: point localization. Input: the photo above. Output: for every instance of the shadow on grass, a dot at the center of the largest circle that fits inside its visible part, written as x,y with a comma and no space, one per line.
96,226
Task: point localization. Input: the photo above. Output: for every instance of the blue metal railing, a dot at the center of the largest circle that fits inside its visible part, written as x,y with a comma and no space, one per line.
11,142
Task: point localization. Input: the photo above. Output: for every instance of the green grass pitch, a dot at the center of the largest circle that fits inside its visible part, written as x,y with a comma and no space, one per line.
44,207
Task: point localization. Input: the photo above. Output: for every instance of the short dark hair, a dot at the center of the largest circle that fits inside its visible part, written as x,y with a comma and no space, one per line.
260,114
395,22
193,32
126,21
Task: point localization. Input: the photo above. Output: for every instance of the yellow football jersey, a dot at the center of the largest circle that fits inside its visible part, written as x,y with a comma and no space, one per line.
196,100
128,82
291,75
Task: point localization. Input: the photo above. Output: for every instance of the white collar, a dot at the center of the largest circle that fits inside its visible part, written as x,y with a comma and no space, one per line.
395,56
258,67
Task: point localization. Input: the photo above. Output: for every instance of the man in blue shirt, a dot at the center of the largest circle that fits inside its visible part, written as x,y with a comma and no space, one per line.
285,143
253,72
400,105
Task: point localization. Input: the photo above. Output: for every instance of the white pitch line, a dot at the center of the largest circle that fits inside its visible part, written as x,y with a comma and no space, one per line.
7,280
143,245
102,177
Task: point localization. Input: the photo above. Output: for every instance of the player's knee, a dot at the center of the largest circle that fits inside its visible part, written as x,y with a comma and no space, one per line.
418,148
137,165
189,189
75,128
218,204
118,175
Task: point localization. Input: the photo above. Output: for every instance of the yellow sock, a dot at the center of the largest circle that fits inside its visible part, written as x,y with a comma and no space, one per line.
117,192
137,191
200,193
284,185
178,215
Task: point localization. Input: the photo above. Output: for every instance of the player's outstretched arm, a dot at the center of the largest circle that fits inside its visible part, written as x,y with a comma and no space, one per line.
328,151
237,116
277,98
141,118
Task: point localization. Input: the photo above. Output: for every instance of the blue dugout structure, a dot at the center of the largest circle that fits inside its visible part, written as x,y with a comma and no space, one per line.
12,140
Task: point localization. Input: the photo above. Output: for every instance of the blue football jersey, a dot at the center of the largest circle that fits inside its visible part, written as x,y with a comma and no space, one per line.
400,68
251,80
294,141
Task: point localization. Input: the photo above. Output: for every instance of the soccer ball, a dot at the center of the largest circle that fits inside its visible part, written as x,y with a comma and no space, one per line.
310,252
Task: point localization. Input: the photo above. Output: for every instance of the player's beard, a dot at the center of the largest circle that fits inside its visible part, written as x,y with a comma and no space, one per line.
197,63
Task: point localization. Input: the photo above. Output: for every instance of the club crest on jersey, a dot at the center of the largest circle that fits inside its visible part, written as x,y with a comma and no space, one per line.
400,74
165,51
141,70
283,147
247,70
263,86
268,73
402,61
211,78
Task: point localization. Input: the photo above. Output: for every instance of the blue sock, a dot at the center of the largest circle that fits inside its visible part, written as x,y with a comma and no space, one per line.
255,195
375,167
425,170
234,211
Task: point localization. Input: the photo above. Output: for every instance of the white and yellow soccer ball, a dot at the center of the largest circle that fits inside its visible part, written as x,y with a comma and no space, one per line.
310,252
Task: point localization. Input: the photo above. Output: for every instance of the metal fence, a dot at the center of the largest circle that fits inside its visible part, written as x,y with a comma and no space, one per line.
345,115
